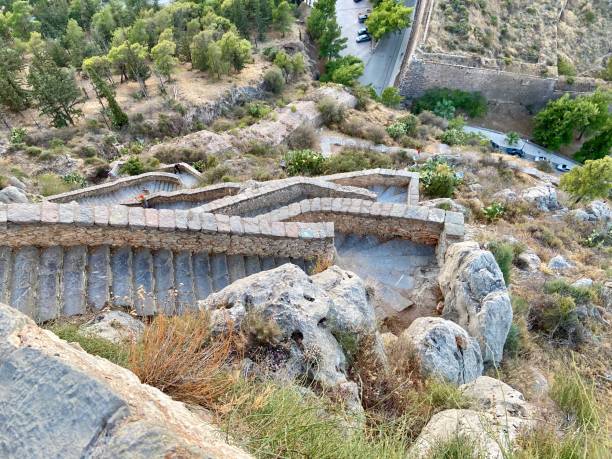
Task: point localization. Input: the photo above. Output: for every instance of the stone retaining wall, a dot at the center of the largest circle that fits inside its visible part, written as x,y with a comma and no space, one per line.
50,224
384,220
197,196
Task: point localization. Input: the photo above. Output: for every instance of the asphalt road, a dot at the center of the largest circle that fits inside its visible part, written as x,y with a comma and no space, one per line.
382,62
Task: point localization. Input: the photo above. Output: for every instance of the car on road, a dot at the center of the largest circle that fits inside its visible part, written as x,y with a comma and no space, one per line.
356,1
362,17
540,158
563,167
362,31
363,38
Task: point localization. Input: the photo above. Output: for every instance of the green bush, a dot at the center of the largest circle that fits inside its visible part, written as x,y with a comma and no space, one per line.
558,318
403,126
274,80
304,162
216,174
438,178
33,151
18,136
494,211
504,256
473,104
135,166
565,67
391,97
75,180
349,160
258,109
331,111
445,109
581,295
457,447
396,130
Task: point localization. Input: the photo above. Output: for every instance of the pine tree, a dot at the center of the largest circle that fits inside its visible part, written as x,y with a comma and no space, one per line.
54,90
282,17
164,60
217,65
13,95
74,40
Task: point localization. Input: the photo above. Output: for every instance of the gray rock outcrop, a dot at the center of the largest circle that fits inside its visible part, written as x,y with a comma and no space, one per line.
475,297
115,326
544,197
499,416
319,320
58,401
12,195
444,349
559,263
528,261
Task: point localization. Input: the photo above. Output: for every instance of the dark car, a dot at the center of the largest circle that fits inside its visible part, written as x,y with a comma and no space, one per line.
362,18
363,38
356,1
362,31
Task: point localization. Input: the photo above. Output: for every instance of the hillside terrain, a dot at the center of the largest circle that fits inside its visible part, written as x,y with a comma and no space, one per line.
537,32
216,243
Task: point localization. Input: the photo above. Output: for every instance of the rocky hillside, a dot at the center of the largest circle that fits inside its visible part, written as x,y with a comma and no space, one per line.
537,32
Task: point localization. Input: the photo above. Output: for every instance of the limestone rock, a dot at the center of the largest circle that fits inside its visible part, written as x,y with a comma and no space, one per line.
559,263
338,93
444,349
14,181
491,435
475,297
506,195
498,397
543,196
12,194
316,328
58,401
585,282
115,326
599,211
446,203
499,416
606,295
529,261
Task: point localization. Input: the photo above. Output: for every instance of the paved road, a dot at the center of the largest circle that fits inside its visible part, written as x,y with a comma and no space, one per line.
382,65
346,16
531,149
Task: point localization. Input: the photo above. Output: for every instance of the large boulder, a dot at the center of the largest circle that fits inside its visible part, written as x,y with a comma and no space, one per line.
559,263
58,401
544,197
12,195
115,326
444,349
475,297
316,327
529,261
500,414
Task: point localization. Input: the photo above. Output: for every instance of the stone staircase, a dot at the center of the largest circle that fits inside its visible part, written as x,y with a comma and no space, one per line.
393,194
394,266
60,280
128,193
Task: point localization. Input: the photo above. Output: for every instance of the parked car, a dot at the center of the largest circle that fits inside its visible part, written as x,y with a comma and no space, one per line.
362,31
363,38
362,17
356,1
540,158
563,167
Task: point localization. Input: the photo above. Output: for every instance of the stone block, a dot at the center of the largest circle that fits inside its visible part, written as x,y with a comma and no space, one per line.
236,225
454,217
84,216
136,217
49,212
277,229
180,219
436,215
166,220
151,218
118,216
194,221
66,213
101,215
223,223
23,213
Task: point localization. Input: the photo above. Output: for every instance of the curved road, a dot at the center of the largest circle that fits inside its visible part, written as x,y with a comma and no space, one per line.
382,61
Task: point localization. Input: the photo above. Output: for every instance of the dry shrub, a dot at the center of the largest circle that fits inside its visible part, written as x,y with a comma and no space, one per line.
321,264
181,357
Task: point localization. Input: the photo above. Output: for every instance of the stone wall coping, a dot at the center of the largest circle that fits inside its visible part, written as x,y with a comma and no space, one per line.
189,194
135,218
368,172
267,189
113,186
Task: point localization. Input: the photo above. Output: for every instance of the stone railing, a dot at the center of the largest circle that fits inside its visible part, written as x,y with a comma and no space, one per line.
117,185
384,220
49,224
262,199
194,196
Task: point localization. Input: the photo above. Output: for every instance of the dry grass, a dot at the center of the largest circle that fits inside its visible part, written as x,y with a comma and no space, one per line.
321,264
181,357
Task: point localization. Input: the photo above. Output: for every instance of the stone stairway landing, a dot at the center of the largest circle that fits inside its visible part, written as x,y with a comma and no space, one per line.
47,282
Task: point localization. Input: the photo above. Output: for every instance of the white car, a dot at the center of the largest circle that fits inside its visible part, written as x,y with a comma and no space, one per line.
540,158
562,167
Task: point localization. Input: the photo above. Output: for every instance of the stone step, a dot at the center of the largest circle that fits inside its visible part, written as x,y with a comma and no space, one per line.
218,271
183,278
6,263
144,288
165,292
98,280
268,263
49,283
24,280
122,277
201,275
252,265
74,281
235,267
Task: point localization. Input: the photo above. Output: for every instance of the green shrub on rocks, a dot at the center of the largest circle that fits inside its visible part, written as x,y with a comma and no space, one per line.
304,162
349,160
331,111
439,179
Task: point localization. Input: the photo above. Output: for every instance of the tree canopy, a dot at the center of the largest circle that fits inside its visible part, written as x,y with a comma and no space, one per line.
590,181
388,16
